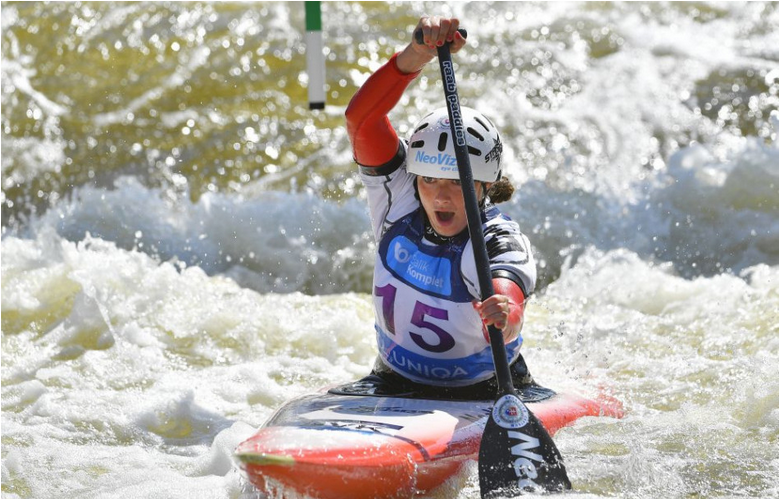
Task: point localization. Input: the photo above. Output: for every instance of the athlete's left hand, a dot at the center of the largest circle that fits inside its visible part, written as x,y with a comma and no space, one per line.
501,311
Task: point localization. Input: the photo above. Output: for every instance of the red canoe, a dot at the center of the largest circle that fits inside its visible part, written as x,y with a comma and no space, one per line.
329,445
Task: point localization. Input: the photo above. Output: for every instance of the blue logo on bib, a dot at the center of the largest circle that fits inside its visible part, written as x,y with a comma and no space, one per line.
420,270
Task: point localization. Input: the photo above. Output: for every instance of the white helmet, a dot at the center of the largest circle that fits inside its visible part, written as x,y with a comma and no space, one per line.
431,148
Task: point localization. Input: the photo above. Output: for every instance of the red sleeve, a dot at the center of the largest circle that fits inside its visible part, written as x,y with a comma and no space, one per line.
516,311
374,140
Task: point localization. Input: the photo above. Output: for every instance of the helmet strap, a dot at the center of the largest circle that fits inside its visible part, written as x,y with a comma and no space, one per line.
484,196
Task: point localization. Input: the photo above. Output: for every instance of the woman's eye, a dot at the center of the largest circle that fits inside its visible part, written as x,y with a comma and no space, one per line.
428,180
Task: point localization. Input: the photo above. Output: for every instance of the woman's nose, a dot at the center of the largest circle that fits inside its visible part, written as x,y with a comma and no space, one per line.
442,193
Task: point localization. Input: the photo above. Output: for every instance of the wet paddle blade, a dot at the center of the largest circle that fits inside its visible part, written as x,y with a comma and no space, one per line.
517,454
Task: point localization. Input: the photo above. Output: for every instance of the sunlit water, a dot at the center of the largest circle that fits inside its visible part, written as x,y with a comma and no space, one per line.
185,245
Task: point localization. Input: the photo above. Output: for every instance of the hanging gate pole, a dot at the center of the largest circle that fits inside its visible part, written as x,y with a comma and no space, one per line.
316,65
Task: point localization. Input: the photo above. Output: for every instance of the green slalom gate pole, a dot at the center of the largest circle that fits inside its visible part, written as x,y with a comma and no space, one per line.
316,65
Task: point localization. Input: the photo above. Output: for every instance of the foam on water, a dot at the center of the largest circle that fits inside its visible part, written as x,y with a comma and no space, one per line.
695,361
271,242
112,360
703,214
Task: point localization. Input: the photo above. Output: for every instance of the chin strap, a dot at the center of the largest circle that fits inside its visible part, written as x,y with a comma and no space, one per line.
430,233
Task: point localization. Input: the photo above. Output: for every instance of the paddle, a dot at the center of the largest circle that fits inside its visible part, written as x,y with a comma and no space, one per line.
517,454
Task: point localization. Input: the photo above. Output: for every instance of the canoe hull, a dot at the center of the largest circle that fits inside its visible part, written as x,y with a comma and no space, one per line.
328,445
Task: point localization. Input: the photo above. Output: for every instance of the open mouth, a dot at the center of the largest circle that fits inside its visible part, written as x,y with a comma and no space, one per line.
444,217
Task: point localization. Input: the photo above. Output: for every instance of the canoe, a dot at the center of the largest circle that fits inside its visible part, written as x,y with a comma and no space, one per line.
347,442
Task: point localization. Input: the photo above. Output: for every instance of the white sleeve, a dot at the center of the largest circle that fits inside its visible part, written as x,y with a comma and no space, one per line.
390,196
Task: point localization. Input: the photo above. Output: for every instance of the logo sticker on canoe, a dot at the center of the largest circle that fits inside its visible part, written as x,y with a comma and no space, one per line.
510,413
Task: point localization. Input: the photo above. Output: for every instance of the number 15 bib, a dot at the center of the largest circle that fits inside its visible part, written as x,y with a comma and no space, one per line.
426,326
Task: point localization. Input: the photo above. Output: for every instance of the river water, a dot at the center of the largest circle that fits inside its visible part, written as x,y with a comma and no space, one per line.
185,245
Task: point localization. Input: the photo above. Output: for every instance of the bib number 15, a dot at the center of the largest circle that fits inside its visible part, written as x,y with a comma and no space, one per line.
421,312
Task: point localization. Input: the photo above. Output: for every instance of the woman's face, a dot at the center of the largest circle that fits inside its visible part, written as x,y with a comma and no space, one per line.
443,202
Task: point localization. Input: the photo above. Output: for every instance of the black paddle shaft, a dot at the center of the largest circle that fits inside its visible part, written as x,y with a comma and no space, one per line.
516,452
502,371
